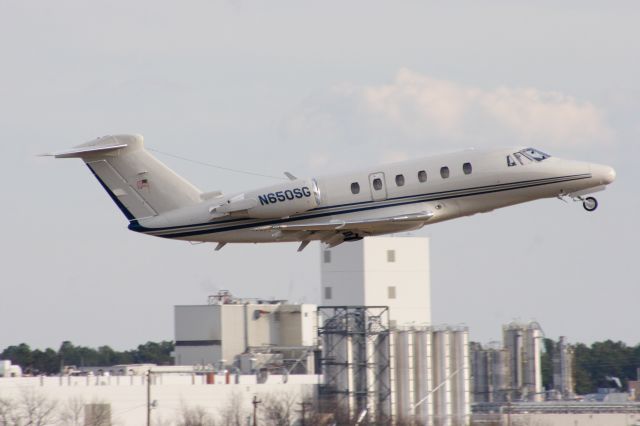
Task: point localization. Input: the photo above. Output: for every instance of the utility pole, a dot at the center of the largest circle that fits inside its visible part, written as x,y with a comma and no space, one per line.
255,403
149,397
303,412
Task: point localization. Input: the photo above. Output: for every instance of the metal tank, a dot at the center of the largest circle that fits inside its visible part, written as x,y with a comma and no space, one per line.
563,369
532,369
441,384
460,386
403,362
423,376
479,373
499,383
513,342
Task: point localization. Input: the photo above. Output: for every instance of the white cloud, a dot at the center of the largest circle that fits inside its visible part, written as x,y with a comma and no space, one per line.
417,109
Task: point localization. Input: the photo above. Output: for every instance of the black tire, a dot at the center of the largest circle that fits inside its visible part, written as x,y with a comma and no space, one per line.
590,204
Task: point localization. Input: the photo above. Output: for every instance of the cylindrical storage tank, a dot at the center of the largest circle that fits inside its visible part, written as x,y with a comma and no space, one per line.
513,342
441,381
460,386
532,371
423,376
480,373
392,370
499,375
403,374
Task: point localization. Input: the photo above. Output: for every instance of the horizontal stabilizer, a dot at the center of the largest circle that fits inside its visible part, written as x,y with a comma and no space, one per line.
87,150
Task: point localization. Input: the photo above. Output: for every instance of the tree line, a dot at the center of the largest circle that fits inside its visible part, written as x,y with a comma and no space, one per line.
594,364
50,361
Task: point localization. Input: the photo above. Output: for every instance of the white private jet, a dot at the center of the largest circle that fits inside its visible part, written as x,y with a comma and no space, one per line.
385,199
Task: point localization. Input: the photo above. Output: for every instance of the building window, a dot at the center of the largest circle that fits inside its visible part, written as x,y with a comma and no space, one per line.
327,256
422,176
391,255
400,180
391,292
444,172
355,188
467,169
327,293
377,184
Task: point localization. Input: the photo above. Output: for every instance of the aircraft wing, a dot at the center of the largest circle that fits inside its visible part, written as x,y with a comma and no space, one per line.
350,225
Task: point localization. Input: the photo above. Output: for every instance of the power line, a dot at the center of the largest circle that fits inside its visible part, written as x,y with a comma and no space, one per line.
215,166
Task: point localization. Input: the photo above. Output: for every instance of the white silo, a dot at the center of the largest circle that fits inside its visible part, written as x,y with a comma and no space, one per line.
441,383
532,371
404,374
423,375
460,386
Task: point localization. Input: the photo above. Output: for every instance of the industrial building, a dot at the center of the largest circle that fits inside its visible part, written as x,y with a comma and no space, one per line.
248,334
380,271
381,358
512,372
368,353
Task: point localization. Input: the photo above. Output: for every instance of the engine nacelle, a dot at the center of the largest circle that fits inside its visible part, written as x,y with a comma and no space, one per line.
284,199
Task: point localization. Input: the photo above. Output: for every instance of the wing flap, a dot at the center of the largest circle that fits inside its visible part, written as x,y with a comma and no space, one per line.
340,225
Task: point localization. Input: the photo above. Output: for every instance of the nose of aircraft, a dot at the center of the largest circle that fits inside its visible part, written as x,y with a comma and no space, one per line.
604,174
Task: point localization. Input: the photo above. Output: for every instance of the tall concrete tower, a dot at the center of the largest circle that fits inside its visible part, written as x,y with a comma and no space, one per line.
380,271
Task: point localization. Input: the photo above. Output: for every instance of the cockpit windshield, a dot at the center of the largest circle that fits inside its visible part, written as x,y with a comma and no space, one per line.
526,156
535,154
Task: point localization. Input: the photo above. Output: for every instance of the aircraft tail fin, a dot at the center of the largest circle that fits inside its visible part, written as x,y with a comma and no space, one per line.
137,182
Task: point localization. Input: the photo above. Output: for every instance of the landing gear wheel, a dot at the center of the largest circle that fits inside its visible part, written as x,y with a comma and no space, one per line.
590,204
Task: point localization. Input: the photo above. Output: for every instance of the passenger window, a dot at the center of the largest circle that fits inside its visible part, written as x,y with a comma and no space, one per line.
400,180
327,256
510,161
444,172
422,176
377,184
466,168
355,188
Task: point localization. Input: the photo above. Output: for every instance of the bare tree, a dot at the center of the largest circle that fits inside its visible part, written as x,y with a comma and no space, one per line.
234,414
278,409
97,413
72,412
320,414
194,416
7,412
34,409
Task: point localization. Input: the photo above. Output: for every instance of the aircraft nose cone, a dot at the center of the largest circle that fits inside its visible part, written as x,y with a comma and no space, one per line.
605,174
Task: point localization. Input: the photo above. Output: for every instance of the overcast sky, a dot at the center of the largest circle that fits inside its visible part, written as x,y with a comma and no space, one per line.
313,88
